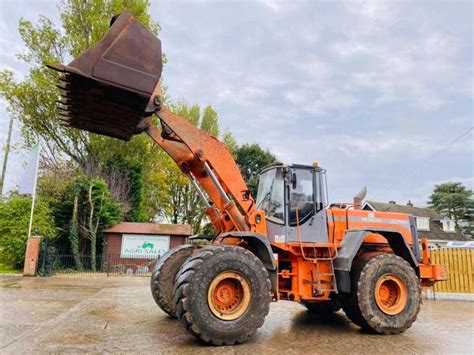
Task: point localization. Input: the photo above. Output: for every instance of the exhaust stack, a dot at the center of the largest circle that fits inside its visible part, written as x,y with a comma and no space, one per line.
107,88
359,198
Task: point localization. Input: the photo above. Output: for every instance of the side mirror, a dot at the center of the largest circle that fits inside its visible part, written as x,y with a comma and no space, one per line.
294,180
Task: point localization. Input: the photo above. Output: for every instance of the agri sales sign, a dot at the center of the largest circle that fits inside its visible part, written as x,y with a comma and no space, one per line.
144,246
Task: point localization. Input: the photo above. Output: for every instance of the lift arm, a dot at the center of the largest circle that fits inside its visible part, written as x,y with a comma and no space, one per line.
113,89
208,164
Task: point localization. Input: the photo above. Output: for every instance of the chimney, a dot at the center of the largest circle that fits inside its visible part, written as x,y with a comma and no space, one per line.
409,203
392,203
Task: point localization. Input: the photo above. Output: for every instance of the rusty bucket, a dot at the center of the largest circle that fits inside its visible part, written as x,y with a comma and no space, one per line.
107,88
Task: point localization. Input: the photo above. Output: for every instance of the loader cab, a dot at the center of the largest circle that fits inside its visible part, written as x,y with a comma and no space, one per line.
294,197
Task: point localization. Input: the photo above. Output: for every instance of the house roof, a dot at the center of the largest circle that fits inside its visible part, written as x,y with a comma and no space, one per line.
415,211
436,230
150,228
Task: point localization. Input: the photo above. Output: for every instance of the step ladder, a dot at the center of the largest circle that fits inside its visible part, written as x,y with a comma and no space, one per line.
325,285
317,288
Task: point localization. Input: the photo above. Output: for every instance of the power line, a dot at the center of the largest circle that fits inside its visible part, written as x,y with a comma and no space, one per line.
425,160
441,150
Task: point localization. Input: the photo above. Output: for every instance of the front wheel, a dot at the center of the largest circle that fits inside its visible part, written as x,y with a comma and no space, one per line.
222,294
163,275
385,296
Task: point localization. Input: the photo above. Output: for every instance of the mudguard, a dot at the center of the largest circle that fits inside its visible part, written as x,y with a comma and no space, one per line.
351,244
260,246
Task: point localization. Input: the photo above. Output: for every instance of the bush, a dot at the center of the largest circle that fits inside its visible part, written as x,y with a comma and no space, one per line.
14,221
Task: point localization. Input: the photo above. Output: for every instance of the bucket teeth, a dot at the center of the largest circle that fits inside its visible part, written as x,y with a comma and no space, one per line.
64,78
65,87
57,67
106,89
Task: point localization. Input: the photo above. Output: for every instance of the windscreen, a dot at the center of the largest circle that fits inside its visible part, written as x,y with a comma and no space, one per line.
270,198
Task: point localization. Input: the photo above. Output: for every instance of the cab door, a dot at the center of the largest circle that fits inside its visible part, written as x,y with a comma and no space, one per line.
306,202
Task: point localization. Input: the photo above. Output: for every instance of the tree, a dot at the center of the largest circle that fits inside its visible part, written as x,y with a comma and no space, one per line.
14,221
251,159
231,143
131,174
5,156
177,201
32,100
453,200
98,212
85,210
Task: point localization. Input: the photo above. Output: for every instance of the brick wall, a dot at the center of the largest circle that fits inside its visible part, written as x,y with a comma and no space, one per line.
114,244
33,246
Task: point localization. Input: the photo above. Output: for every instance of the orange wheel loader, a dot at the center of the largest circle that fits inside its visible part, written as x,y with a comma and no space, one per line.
287,243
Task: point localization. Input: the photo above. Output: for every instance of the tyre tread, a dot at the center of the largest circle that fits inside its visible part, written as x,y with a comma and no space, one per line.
186,274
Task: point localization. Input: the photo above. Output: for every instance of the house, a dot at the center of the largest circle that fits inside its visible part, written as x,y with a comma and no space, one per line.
135,247
438,230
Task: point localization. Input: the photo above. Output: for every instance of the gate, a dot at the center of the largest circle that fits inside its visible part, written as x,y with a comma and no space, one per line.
51,263
460,264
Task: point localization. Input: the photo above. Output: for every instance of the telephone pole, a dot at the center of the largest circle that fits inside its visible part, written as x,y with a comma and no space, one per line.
5,157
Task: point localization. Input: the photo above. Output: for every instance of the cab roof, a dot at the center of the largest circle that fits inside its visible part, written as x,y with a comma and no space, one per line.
290,166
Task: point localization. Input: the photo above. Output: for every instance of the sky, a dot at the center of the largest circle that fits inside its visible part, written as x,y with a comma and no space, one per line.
379,93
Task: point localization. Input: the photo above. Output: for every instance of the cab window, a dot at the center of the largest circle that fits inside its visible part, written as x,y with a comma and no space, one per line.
270,196
301,202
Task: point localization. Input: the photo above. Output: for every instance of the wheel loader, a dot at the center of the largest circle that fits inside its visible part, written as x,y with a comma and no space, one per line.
287,243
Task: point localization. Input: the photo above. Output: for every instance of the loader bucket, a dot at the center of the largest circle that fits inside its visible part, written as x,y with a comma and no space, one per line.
107,88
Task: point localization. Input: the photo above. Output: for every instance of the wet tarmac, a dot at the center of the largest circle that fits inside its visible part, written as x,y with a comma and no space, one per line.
118,314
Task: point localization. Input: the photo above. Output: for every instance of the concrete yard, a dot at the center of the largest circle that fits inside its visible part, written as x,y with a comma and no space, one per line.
118,314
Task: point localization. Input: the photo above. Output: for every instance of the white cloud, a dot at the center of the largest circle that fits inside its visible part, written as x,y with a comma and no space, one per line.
367,88
316,102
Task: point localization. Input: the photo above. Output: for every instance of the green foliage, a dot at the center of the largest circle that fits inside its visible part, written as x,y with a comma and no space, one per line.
74,232
178,201
231,143
32,100
453,200
5,269
134,180
86,22
14,221
133,174
85,210
251,159
210,121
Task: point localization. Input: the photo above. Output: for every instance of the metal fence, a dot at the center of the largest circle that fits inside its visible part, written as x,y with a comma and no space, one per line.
106,265
460,264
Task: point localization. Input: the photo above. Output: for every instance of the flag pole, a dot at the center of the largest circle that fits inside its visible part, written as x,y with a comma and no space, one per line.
34,192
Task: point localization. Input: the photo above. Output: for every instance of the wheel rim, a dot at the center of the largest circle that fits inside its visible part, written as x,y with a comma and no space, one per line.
228,295
391,294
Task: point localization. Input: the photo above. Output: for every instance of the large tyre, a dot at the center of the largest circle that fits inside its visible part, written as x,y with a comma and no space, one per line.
222,294
323,308
163,275
385,296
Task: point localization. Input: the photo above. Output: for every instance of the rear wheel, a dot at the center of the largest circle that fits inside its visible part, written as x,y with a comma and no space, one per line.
222,294
385,296
163,275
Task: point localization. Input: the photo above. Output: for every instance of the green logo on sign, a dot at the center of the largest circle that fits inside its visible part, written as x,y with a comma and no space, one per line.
147,245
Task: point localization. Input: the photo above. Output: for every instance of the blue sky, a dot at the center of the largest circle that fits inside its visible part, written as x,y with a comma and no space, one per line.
374,91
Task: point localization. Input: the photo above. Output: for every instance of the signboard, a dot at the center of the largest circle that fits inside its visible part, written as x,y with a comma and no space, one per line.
139,246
